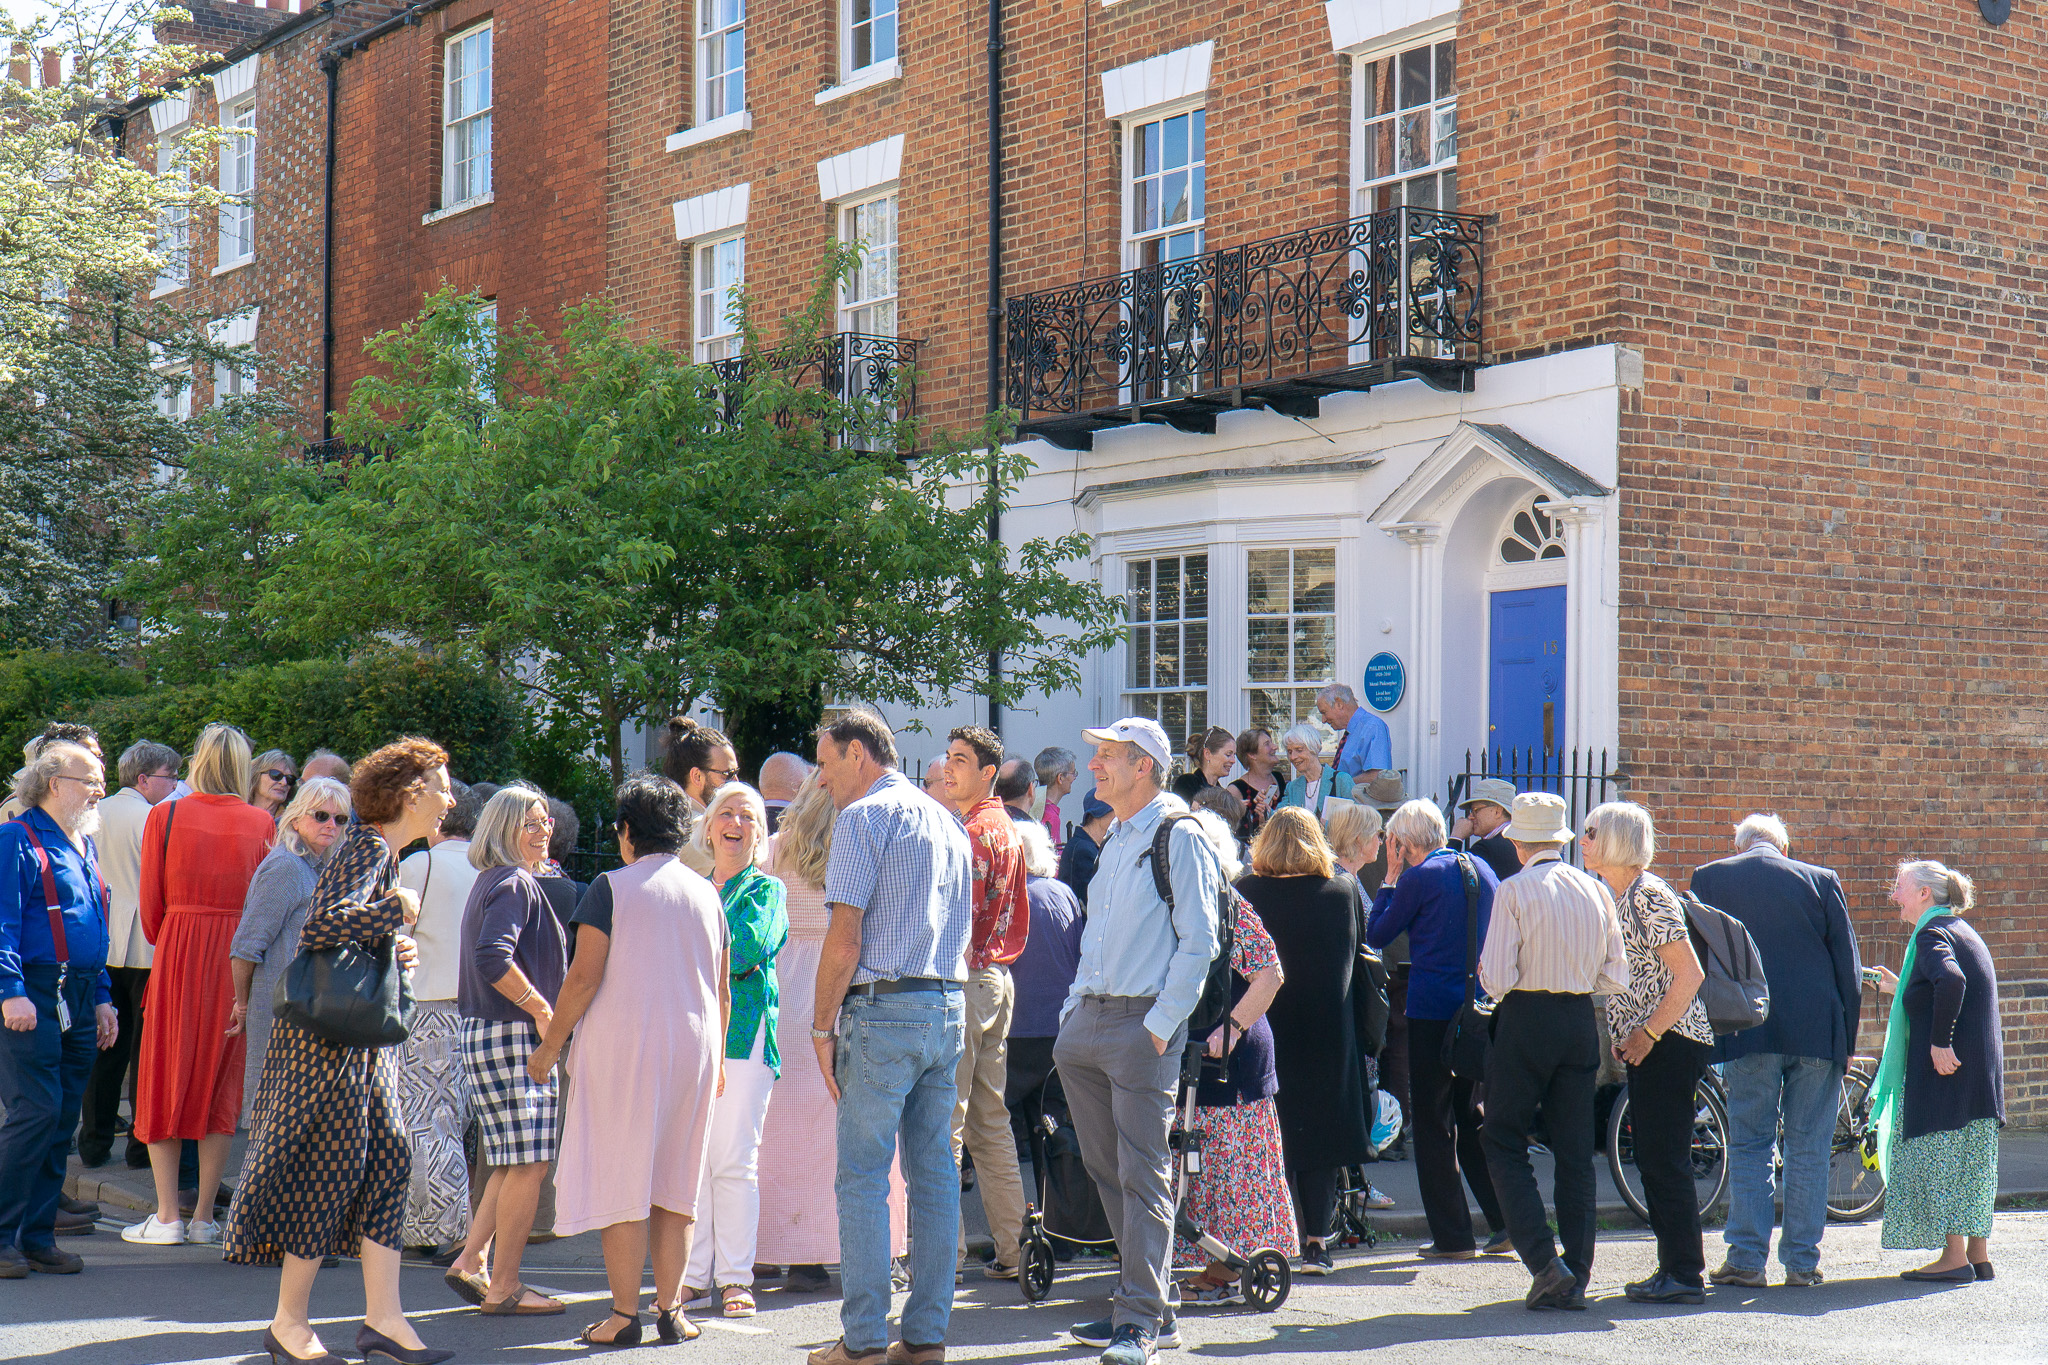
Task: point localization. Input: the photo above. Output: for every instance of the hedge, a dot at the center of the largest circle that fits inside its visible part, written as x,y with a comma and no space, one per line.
40,685
350,706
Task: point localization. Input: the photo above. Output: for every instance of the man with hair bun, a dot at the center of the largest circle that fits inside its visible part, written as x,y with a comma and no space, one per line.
1789,1068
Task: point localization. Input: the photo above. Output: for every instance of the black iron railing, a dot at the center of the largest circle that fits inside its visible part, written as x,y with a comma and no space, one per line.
874,374
1584,779
1276,323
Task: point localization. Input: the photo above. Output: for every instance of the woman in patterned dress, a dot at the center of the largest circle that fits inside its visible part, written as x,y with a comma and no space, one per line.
328,1164
1240,1196
1660,1030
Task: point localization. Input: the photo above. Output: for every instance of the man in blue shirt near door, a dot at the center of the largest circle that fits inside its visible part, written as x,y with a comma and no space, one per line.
1363,742
56,1000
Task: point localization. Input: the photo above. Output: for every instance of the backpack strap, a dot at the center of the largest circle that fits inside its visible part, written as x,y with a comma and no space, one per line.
1471,927
1162,880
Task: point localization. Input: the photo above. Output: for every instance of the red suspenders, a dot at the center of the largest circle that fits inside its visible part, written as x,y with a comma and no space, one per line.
50,901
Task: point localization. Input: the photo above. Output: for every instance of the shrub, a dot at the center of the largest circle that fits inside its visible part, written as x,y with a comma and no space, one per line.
38,686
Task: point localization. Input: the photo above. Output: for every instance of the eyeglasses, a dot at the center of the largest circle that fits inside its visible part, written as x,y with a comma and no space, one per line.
279,775
723,775
540,826
91,784
327,817
157,777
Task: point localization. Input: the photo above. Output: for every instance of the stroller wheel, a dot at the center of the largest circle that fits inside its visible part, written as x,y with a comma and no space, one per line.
1267,1280
1034,1276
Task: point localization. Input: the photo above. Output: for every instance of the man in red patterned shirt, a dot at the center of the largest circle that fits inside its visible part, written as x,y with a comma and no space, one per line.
1002,920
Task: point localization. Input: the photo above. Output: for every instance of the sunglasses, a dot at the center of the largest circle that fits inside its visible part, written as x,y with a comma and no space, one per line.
1591,833
327,817
279,775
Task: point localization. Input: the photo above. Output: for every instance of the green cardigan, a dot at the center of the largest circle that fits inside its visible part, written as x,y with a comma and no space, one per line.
759,926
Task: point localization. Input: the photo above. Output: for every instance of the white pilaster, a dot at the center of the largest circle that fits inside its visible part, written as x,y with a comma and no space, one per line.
1425,651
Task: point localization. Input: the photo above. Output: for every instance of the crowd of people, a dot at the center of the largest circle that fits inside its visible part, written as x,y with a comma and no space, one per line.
621,1055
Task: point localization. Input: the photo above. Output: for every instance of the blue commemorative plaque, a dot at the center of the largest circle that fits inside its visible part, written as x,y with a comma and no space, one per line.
1385,681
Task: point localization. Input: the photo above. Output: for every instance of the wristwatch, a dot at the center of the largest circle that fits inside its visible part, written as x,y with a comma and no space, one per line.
819,1035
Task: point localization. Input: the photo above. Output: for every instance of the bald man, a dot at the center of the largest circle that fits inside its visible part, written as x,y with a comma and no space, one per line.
782,776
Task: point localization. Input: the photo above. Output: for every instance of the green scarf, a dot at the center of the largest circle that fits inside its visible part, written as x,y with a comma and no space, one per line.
1888,1097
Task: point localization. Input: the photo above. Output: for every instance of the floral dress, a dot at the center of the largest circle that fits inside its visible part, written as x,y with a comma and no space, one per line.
1240,1197
328,1163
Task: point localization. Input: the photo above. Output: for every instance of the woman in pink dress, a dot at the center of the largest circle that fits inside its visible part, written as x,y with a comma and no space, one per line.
799,1150
646,999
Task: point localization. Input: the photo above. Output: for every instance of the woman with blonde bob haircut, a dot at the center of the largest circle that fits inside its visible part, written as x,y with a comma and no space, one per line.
1354,833
1660,1030
1310,910
1939,1100
220,761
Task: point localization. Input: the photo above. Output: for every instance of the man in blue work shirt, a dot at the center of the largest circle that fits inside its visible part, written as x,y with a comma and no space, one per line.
1363,742
1124,1025
55,998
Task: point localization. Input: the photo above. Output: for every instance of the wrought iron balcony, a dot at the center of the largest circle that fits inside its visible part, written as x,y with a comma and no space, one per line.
875,373
1272,324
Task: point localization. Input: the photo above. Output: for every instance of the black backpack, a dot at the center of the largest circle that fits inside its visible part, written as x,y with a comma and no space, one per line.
1736,994
1214,1005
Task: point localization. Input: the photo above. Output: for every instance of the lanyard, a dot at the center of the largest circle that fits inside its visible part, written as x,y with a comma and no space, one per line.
59,940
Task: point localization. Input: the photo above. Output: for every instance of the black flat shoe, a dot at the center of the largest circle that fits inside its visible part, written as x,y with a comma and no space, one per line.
1661,1288
371,1344
673,1325
629,1335
1982,1270
279,1355
1962,1274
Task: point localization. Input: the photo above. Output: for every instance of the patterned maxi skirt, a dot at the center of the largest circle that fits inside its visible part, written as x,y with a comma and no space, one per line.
1241,1197
434,1093
1940,1185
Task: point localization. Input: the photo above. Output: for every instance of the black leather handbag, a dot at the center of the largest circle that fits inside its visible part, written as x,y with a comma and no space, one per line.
347,996
1468,1038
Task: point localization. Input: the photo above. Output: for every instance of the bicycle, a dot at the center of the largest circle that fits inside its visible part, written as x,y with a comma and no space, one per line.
1855,1192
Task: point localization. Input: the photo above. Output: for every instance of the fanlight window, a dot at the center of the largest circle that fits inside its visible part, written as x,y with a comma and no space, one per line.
1531,535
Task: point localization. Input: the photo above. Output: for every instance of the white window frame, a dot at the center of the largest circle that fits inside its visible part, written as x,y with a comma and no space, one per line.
1150,700
1133,238
877,61
848,306
1295,681
470,189
1361,190
707,112
174,404
173,221
238,191
483,354
703,288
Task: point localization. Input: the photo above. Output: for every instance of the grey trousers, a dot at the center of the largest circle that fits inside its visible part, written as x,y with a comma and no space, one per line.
1120,1093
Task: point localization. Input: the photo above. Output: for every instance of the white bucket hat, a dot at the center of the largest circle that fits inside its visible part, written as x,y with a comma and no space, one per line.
1496,790
1539,818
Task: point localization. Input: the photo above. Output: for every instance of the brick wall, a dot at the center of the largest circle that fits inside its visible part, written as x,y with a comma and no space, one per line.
1823,231
218,25
540,246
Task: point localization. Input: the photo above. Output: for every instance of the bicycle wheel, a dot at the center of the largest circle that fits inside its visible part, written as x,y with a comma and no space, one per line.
1709,1151
1855,1192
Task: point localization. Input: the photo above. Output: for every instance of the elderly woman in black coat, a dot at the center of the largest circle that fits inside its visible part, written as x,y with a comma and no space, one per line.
1940,1095
1311,912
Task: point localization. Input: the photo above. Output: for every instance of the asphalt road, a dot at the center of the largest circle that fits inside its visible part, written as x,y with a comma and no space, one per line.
154,1306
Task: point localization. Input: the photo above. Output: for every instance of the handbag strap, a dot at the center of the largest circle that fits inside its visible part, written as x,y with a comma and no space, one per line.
1471,927
170,814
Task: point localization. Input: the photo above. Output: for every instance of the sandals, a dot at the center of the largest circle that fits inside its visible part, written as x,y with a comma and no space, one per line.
1210,1287
471,1289
673,1325
513,1305
629,1335
736,1301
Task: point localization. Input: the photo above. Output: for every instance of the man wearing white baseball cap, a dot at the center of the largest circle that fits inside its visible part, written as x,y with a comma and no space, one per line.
1124,1025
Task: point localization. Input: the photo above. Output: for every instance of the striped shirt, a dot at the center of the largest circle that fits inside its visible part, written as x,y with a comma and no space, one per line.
902,859
1554,929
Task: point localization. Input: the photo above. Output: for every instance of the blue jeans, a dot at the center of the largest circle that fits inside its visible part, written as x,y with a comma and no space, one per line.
43,1072
1808,1092
895,1062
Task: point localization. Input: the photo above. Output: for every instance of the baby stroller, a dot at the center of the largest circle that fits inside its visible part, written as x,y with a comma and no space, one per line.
1063,1208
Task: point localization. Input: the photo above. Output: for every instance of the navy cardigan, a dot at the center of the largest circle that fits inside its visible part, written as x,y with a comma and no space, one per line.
1952,1001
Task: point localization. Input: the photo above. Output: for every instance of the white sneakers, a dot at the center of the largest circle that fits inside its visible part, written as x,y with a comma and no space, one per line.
153,1232
202,1232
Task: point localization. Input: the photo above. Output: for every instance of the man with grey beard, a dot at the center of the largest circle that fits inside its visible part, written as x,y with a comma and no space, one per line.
56,1001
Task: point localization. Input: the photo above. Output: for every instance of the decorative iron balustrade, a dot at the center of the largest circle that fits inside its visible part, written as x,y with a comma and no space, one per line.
875,374
1276,323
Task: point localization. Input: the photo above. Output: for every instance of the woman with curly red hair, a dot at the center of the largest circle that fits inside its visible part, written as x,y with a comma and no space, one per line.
328,1163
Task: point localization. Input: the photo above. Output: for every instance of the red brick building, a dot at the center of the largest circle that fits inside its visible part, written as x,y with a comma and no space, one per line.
255,265
472,152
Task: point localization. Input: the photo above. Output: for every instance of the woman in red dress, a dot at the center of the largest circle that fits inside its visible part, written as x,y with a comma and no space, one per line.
198,855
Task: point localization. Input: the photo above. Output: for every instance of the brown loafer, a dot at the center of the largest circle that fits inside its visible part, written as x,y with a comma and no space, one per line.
903,1353
837,1354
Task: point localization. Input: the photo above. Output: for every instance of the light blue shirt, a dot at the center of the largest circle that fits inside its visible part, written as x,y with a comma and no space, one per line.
1132,946
902,860
1367,746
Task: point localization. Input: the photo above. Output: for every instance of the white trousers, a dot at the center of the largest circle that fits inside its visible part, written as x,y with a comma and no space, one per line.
729,1208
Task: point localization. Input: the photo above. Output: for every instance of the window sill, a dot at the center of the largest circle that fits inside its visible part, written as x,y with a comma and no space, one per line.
161,290
464,207
225,266
881,73
742,122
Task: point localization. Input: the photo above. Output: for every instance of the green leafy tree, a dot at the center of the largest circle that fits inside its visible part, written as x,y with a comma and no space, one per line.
621,531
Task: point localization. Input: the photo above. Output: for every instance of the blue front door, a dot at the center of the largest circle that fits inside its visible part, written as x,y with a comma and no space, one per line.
1525,687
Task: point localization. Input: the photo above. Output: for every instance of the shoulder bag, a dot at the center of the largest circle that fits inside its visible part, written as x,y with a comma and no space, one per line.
348,995
1466,1040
